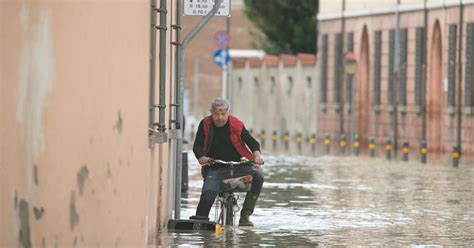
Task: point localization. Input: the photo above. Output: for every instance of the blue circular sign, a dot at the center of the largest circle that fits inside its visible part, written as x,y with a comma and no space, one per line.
221,39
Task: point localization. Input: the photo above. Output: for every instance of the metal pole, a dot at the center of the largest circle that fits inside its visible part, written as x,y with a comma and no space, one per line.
459,109
423,79
179,116
351,124
341,59
396,80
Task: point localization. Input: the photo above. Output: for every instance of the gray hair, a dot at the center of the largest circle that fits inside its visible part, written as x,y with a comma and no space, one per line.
218,102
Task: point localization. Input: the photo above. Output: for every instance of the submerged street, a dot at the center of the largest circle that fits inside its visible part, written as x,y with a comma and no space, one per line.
346,201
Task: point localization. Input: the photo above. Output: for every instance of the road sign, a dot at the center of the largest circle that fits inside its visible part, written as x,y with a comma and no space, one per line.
221,57
221,39
202,7
350,63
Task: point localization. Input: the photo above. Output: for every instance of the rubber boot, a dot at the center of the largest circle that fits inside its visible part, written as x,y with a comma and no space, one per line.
247,209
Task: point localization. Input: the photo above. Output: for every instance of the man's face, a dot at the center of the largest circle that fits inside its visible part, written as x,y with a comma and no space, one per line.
220,115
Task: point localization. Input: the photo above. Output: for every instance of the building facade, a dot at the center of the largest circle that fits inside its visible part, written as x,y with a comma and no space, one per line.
414,77
76,164
276,98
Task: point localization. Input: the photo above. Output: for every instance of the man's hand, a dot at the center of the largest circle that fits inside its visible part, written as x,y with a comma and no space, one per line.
204,160
257,158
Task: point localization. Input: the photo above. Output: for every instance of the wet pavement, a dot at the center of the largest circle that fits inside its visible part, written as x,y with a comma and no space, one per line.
348,201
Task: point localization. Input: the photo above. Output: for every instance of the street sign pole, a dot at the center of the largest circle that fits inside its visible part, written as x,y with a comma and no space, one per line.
179,113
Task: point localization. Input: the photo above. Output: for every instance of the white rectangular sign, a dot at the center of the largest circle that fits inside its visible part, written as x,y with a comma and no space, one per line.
202,7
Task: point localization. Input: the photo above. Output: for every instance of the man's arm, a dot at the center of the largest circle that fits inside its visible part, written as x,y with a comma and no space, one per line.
198,146
253,144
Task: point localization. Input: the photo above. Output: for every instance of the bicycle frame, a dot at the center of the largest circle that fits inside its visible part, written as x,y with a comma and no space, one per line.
227,198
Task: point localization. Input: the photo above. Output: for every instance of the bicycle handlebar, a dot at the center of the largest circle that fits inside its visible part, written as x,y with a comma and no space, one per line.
218,161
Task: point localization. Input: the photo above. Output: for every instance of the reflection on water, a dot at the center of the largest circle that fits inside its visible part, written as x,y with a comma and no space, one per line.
347,201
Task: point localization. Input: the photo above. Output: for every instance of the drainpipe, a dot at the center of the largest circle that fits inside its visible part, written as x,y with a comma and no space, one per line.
179,104
162,100
159,135
459,97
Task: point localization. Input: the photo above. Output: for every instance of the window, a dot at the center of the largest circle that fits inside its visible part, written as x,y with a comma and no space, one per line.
468,80
324,69
419,61
290,85
309,82
377,68
349,78
272,85
337,67
391,67
403,67
239,82
452,65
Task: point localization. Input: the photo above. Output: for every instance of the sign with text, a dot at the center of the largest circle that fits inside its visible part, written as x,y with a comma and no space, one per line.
202,7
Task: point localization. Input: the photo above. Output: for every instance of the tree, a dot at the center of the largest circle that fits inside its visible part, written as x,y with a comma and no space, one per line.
286,26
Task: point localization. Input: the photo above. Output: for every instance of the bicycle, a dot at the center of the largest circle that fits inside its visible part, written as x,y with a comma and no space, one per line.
227,199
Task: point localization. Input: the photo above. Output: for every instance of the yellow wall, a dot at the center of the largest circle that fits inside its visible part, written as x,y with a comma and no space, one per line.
75,163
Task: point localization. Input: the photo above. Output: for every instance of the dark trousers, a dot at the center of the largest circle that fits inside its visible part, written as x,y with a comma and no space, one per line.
212,181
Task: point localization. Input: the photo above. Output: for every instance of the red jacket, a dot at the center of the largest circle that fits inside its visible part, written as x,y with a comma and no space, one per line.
235,130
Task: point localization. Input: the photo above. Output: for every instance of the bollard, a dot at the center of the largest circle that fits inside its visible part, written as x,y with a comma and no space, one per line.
424,151
388,149
406,150
184,173
286,138
355,144
456,154
312,141
327,142
274,139
262,138
342,143
372,147
299,141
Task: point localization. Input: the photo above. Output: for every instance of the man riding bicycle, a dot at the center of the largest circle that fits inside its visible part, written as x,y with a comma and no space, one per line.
224,137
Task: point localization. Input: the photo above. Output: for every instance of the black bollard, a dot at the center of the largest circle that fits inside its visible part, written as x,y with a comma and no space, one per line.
456,154
274,139
286,138
342,143
372,147
355,145
312,141
388,149
327,142
184,173
424,151
406,150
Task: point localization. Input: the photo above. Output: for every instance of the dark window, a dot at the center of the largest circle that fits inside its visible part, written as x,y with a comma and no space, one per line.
324,69
290,85
452,65
337,67
391,67
272,85
403,67
349,79
468,80
309,82
377,67
420,38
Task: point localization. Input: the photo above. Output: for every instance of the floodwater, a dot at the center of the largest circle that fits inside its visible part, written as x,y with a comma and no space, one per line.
349,201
